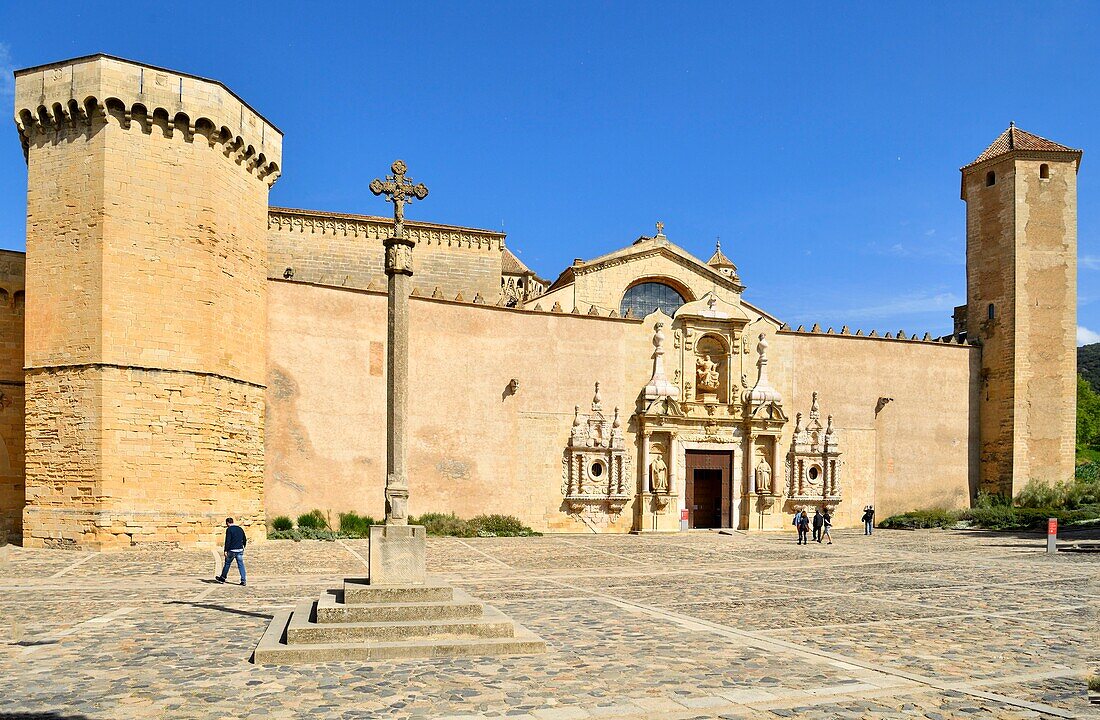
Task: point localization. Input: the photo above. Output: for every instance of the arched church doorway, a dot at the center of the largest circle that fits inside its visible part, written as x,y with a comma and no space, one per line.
708,488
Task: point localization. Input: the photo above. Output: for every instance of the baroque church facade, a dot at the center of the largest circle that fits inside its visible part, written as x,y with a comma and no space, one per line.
175,350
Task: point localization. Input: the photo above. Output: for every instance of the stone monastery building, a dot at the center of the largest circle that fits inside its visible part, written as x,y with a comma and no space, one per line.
176,351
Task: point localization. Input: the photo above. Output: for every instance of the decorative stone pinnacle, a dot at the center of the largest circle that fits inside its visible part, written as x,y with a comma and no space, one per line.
660,228
399,190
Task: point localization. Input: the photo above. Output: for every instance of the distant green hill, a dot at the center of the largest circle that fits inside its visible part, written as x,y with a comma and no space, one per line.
1088,364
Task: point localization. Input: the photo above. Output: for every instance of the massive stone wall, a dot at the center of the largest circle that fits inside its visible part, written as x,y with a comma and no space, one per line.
12,309
475,447
346,250
905,411
146,261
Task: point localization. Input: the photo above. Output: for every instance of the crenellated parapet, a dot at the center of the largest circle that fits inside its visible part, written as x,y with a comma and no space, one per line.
370,227
73,94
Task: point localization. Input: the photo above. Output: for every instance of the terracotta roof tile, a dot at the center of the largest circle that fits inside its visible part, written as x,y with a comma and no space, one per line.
1016,139
512,265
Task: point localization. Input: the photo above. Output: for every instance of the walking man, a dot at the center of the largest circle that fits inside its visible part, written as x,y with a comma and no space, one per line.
826,525
235,541
817,524
869,520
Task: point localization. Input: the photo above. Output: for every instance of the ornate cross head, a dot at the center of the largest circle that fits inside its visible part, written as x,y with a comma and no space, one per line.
399,190
660,228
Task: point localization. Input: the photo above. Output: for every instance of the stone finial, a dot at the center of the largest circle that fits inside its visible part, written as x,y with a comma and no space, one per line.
596,402
538,307
815,411
616,423
415,292
829,425
459,298
437,293
629,313
797,423
556,307
658,385
902,335
594,311
816,328
844,330
576,416
801,328
478,299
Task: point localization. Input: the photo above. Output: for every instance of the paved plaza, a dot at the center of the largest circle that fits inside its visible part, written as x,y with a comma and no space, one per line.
926,624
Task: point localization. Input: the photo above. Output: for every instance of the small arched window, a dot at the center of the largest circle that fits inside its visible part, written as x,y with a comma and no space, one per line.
990,312
990,178
1044,171
646,297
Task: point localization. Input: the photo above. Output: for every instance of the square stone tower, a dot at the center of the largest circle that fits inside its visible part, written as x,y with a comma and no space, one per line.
146,303
1021,287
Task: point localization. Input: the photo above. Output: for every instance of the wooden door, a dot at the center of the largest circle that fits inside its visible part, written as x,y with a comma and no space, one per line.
708,488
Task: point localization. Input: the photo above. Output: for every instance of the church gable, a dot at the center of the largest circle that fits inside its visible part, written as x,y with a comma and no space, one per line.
652,273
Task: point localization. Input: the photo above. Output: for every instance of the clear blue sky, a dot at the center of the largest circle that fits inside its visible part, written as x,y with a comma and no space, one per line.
821,141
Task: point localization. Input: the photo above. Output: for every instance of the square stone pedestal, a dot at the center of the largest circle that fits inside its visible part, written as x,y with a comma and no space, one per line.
396,555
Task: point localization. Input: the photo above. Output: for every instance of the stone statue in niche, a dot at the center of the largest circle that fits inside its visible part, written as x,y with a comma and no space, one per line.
706,374
763,477
658,473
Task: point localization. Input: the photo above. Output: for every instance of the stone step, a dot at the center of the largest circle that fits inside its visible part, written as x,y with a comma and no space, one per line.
273,649
302,629
357,591
331,610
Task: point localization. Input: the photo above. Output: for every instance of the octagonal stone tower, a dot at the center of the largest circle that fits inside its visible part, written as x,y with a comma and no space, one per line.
1021,288
146,303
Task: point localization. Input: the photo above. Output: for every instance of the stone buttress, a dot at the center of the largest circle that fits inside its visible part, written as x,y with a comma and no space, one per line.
146,316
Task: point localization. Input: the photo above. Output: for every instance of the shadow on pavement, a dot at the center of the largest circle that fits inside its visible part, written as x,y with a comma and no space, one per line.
219,608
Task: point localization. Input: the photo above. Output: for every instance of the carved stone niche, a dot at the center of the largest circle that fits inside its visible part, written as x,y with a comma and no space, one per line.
595,464
813,464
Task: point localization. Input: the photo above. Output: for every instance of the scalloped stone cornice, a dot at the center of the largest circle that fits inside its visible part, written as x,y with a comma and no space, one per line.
77,92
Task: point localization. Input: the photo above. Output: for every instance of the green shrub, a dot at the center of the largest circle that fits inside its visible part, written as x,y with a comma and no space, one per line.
282,522
354,525
500,526
989,500
307,533
1089,470
312,520
934,518
1094,683
443,524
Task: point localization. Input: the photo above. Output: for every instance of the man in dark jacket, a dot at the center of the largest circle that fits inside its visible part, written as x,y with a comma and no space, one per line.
869,520
818,522
234,549
802,521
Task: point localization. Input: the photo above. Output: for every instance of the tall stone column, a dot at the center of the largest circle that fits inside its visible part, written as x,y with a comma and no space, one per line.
399,270
397,548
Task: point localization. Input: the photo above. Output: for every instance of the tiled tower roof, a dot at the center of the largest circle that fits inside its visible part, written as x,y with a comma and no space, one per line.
1016,139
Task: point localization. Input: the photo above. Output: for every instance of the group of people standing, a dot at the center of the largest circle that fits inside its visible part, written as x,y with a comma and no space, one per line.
822,524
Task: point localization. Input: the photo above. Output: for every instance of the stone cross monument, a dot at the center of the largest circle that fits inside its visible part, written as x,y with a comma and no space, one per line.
396,548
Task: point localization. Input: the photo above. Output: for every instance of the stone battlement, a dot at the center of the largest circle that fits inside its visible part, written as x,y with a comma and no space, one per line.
71,92
371,227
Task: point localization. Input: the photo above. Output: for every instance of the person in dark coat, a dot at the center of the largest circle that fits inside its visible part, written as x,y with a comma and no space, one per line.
818,520
803,528
235,541
869,520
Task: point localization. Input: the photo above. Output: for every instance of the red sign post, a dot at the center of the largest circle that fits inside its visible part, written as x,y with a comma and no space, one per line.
1052,535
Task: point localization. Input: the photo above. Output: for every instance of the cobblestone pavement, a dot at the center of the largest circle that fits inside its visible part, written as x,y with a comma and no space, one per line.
926,624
